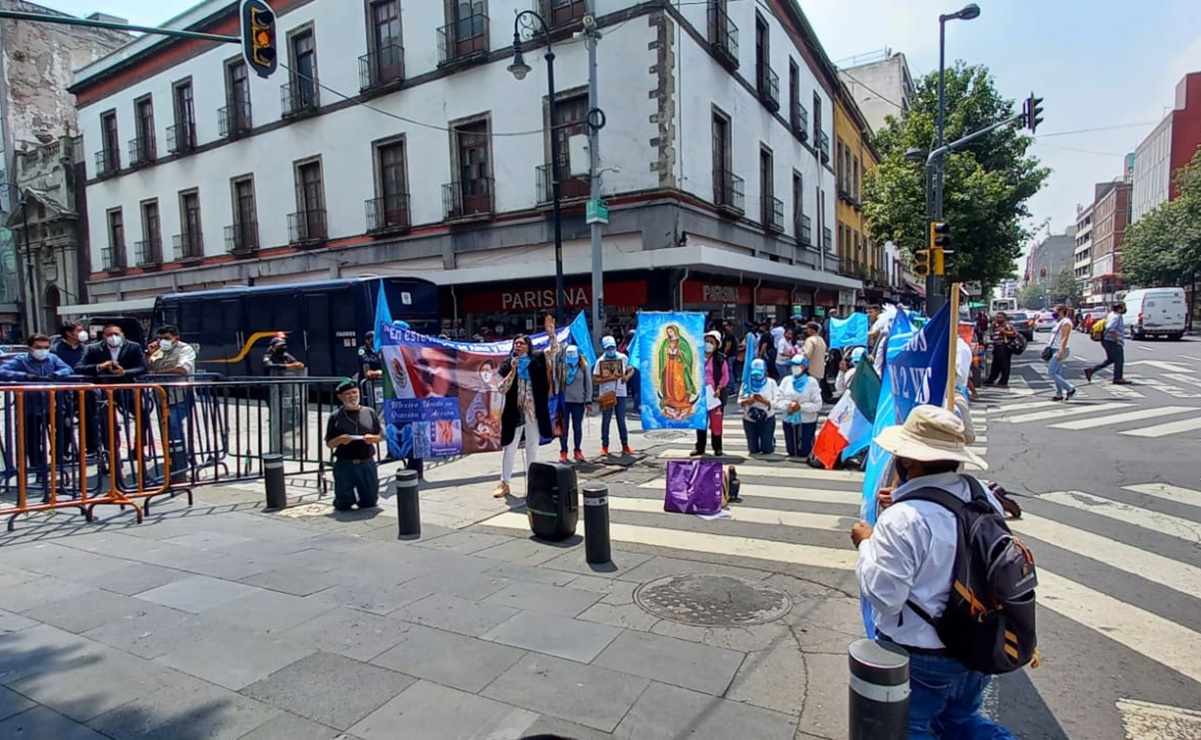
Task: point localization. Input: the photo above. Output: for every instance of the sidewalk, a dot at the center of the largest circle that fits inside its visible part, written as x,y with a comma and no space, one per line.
222,621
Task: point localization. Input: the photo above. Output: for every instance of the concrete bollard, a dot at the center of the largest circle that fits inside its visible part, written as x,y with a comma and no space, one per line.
597,548
408,508
273,477
879,708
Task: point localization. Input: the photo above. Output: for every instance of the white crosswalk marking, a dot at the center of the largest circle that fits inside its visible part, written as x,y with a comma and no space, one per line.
1163,430
1136,515
1189,380
1168,492
1123,418
1170,390
1025,406
1120,391
1064,410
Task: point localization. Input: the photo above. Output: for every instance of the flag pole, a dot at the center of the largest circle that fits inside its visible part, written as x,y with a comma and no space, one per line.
953,346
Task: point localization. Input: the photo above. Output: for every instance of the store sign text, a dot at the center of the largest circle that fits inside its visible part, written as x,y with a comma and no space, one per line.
519,300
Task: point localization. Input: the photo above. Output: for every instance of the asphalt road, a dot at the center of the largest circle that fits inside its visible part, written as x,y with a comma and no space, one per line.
1111,485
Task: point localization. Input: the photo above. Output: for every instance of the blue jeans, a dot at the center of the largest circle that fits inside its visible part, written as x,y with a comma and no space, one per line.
760,435
177,444
607,414
798,438
1055,367
574,419
944,701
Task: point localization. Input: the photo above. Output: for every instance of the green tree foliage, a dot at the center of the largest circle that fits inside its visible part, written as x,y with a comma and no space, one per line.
1064,288
1164,246
986,185
1032,296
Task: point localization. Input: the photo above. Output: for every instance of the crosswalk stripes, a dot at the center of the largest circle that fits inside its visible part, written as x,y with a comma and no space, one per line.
1163,430
1119,414
1061,411
1123,418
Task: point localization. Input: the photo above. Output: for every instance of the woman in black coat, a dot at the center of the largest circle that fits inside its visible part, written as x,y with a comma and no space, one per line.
526,414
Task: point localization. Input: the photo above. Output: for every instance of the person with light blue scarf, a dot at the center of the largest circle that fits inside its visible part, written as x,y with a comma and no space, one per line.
758,402
799,399
577,398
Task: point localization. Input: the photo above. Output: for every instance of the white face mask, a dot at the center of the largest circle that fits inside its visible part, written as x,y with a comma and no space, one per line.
165,345
40,354
797,371
82,336
115,340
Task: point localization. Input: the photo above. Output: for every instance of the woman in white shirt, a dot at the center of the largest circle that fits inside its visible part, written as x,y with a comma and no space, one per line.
758,402
1058,344
799,399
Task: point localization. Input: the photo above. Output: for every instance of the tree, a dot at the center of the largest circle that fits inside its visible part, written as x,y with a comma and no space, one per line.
1065,288
1032,296
986,184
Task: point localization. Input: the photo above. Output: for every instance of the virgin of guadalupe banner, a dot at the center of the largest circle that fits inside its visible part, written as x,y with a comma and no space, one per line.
442,398
671,370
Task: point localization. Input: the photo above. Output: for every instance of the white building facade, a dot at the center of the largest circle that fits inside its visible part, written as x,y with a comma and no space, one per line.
392,140
1083,255
1152,175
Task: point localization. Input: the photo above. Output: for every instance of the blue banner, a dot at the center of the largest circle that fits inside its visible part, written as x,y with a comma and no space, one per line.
671,370
849,332
383,316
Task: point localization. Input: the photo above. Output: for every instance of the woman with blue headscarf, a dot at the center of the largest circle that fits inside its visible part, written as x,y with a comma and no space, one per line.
577,398
758,402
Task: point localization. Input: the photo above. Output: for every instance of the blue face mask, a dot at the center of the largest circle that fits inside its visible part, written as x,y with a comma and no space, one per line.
572,359
610,352
1054,314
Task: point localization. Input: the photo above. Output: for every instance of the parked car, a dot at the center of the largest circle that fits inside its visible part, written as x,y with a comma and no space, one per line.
1023,321
1156,312
1045,321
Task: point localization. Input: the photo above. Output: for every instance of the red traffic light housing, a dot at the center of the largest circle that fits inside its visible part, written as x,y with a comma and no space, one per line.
258,37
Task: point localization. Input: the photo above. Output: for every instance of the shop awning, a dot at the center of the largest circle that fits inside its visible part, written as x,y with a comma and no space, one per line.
109,308
914,288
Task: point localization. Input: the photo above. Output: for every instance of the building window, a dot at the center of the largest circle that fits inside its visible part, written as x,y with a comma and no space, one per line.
817,117
308,223
189,244
235,116
114,256
571,115
108,159
142,149
728,188
856,174
301,93
466,35
242,236
471,192
802,227
390,208
385,61
150,248
181,137
762,50
798,116
772,215
723,34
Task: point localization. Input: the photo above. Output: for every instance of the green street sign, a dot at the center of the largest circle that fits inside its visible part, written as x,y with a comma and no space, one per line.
596,212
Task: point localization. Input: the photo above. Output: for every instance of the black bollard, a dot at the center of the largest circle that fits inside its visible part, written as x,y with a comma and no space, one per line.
879,707
597,548
273,476
408,508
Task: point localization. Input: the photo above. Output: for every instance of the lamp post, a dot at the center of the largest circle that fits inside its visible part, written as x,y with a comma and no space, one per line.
519,70
30,307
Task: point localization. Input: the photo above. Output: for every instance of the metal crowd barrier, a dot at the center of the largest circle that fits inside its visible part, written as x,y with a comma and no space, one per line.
77,445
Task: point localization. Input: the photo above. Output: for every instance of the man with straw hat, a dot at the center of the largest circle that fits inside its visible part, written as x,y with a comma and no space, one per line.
908,559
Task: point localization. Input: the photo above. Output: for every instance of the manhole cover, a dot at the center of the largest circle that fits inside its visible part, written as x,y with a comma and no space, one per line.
666,435
712,600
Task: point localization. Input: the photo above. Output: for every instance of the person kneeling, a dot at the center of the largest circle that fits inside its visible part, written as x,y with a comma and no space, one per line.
799,400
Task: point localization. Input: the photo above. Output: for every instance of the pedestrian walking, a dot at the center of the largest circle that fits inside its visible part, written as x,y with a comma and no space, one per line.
352,433
1058,344
1002,358
526,416
577,400
717,384
799,399
1113,341
758,402
612,373
907,564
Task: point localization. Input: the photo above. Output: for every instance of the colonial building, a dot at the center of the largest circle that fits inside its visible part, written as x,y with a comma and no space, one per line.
37,123
858,254
383,147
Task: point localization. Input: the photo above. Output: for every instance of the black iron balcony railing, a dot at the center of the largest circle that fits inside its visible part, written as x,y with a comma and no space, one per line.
823,145
242,237
234,119
570,186
181,138
773,214
723,36
800,121
769,88
188,246
389,213
804,230
728,192
468,199
307,227
382,68
149,252
108,161
465,40
113,257
300,96
827,239
141,150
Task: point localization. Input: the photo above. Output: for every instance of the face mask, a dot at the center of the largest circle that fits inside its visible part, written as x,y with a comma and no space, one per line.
82,336
710,348
573,359
165,345
1055,314
40,354
758,376
798,371
611,352
114,340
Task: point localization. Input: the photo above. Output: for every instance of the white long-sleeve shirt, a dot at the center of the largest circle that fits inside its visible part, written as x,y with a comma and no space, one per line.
910,556
768,391
806,392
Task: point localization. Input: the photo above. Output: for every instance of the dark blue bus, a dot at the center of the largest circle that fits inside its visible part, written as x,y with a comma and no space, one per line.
231,328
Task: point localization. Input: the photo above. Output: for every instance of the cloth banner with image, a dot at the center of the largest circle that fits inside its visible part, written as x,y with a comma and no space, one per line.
671,354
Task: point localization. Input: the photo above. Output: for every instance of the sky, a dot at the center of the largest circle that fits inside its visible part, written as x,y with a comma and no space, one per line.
1101,64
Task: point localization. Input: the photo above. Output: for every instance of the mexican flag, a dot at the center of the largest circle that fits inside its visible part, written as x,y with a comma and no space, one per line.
849,425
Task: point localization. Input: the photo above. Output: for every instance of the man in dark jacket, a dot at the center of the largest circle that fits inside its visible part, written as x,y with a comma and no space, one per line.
37,365
114,359
526,385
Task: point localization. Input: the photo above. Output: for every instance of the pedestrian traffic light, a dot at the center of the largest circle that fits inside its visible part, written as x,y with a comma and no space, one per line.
258,37
921,262
1034,112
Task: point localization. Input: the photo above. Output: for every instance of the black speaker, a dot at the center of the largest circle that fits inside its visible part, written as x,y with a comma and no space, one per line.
552,500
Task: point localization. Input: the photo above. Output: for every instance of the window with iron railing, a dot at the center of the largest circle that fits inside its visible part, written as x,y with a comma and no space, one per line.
729,191
307,227
149,252
469,198
388,213
382,67
723,35
464,39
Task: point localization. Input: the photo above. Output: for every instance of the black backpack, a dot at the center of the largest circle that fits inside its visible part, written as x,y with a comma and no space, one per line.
988,624
1016,344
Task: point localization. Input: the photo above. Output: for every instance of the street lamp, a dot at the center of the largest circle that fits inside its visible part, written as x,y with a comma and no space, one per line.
519,70
30,307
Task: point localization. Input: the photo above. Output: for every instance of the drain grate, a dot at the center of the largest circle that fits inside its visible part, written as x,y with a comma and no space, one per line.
712,600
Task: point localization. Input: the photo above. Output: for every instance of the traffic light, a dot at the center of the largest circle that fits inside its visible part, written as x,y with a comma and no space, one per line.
921,262
258,37
1034,112
940,241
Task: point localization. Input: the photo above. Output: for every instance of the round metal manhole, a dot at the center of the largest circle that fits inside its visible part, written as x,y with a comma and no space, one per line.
667,435
712,600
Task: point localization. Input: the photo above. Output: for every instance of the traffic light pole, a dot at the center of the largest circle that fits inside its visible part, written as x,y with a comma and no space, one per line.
67,20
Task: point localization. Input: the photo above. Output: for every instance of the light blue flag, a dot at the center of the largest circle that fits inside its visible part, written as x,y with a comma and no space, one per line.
383,316
583,339
849,332
634,354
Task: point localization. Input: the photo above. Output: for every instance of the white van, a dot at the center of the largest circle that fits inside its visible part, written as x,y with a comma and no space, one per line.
1156,312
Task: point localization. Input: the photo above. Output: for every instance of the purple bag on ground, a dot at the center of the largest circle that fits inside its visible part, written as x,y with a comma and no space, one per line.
693,486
